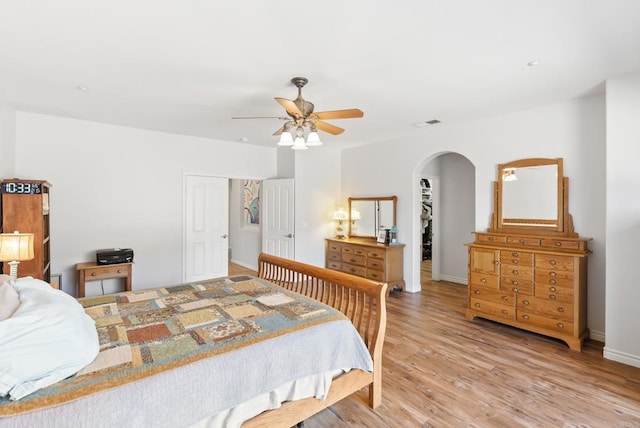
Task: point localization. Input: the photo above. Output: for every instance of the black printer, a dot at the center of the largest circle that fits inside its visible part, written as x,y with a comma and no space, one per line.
110,256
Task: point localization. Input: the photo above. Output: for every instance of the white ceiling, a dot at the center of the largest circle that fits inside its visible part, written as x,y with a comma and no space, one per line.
188,66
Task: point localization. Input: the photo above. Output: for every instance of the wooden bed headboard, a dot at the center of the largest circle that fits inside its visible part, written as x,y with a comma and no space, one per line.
361,300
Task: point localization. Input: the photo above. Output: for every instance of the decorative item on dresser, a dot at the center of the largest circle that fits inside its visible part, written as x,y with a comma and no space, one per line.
360,254
529,270
25,207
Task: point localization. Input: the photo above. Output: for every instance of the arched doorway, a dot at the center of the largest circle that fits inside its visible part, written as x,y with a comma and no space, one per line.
452,181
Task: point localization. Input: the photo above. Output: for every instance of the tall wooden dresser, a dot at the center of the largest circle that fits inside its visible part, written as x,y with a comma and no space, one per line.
531,273
366,258
25,208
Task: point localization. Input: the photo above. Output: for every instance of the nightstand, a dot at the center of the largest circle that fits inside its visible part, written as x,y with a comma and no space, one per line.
91,271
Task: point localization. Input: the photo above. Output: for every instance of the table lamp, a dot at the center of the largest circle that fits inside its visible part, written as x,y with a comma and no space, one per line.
340,216
15,247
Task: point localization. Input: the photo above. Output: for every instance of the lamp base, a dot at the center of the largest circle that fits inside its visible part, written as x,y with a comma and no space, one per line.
13,270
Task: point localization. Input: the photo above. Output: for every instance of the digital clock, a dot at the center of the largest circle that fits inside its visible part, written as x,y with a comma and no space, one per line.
21,188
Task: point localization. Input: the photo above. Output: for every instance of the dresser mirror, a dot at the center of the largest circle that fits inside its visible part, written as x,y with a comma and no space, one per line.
368,215
530,194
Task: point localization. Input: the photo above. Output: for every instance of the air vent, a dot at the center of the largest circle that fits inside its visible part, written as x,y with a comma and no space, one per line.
428,122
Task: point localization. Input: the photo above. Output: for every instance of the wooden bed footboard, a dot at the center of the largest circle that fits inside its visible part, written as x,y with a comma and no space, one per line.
359,299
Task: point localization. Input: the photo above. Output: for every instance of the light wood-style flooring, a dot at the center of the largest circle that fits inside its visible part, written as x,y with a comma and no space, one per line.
441,370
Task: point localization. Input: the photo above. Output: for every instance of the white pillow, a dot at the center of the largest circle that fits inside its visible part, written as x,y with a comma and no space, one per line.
48,338
9,300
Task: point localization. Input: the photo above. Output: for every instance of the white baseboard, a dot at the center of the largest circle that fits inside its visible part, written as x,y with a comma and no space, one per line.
455,279
243,264
596,335
621,357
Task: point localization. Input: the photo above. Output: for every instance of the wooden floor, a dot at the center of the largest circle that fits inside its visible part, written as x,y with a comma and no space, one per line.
441,370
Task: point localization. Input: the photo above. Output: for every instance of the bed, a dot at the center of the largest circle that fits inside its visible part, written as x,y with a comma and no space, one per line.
295,332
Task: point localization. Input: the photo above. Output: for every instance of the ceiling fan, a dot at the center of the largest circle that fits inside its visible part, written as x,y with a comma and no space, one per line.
301,115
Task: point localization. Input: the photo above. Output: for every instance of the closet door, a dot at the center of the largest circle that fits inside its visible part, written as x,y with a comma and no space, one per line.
278,218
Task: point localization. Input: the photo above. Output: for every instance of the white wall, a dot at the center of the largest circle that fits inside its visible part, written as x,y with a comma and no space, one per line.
115,186
244,240
623,219
317,196
7,138
573,130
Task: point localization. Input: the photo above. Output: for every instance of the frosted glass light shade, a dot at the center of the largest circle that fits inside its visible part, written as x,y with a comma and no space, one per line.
286,139
313,139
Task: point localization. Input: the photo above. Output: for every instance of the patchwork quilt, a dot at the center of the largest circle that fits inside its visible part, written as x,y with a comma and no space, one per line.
146,332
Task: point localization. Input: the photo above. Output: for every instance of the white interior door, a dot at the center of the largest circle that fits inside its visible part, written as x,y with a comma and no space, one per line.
206,227
278,217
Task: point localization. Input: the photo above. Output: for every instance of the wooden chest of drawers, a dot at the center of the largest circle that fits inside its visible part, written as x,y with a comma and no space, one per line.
537,284
368,259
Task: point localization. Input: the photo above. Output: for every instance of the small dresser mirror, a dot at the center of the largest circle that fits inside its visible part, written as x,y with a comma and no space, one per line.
368,215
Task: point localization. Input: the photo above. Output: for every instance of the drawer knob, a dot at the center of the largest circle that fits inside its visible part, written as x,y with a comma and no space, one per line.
477,305
522,241
477,291
515,282
119,271
552,274
553,297
552,281
515,272
552,262
505,298
504,311
526,302
353,270
558,244
490,238
374,254
93,274
514,289
560,325
515,254
552,289
525,316
561,309
515,261
483,280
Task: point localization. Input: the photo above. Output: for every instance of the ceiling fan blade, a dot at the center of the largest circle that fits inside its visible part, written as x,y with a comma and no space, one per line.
279,131
327,127
339,114
291,108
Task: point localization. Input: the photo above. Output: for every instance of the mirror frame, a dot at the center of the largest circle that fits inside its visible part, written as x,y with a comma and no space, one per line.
559,225
382,198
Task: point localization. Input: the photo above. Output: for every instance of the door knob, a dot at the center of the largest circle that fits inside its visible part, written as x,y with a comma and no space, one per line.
289,235
224,236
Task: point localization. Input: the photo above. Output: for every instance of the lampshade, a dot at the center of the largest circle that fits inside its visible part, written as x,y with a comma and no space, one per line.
340,214
313,139
285,139
16,246
299,144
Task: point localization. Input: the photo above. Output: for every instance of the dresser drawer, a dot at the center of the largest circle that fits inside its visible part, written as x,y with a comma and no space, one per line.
375,254
334,265
376,275
492,308
491,238
375,263
516,285
355,250
484,280
552,308
334,246
353,270
333,256
554,262
353,259
562,244
526,241
545,321
520,258
552,292
554,278
492,295
517,271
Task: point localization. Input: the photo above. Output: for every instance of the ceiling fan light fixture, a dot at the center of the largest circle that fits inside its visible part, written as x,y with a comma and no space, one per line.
299,144
313,139
286,139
